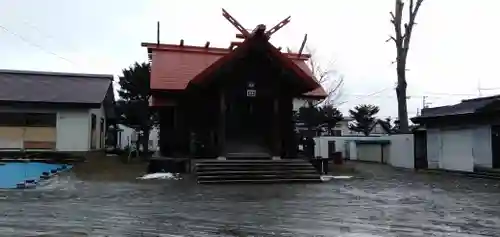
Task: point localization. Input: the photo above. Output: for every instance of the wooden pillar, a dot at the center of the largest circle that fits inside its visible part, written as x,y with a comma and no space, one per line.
167,131
276,129
222,125
164,141
287,128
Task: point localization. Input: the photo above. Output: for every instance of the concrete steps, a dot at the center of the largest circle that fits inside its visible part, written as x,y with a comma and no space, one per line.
255,171
247,155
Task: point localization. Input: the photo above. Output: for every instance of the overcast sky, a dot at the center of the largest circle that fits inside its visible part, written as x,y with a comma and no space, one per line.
453,53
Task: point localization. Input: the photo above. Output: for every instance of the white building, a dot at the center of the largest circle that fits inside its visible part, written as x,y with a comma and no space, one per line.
125,137
464,136
49,111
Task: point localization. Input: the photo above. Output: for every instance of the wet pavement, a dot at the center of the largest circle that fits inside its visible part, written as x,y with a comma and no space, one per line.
104,200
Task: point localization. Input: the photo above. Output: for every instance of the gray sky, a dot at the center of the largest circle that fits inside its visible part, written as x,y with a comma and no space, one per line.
455,43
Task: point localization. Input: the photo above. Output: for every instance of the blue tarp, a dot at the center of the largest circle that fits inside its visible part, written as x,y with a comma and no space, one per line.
13,173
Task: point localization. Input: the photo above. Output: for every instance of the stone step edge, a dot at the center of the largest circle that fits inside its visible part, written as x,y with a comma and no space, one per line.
257,177
249,181
254,171
252,161
253,164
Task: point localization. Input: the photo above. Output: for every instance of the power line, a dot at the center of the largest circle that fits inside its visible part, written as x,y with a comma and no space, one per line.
37,30
34,44
39,46
368,95
424,97
490,89
429,95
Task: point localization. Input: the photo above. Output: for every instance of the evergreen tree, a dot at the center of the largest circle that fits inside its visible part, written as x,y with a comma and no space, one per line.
364,118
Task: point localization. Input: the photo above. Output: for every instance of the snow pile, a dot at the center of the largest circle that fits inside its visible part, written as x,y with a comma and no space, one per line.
326,178
160,176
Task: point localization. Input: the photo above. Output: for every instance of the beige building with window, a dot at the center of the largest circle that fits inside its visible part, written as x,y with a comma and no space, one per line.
48,111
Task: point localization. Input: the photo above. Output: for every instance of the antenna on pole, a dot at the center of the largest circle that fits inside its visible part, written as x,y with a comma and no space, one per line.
425,104
158,34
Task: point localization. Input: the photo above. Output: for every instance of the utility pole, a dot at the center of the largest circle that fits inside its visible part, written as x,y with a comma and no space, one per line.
479,88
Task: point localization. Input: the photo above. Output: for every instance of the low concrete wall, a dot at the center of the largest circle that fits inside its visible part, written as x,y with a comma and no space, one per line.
401,148
344,144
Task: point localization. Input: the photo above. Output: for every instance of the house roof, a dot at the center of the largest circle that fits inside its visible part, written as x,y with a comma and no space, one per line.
175,66
53,87
469,106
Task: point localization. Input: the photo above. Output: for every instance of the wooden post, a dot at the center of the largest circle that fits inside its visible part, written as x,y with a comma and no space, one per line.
276,130
222,126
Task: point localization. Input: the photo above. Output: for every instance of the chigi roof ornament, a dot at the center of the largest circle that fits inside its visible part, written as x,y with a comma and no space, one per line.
244,32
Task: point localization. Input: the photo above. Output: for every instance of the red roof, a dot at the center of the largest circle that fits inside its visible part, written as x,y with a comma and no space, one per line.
174,66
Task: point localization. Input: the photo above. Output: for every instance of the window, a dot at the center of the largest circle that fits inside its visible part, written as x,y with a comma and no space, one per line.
40,120
337,132
28,119
11,119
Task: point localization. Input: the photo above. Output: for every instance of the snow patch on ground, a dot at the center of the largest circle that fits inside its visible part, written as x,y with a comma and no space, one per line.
160,176
326,178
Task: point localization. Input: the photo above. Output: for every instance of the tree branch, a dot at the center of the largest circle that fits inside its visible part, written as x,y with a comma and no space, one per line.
391,38
323,76
412,14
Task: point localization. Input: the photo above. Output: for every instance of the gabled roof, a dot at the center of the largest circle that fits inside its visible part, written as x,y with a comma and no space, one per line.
465,107
257,40
174,66
53,87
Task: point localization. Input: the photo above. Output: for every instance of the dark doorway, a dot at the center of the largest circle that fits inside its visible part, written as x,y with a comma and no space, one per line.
495,145
420,146
245,119
93,138
248,124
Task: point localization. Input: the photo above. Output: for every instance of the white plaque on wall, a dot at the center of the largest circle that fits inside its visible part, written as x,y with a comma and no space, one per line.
251,93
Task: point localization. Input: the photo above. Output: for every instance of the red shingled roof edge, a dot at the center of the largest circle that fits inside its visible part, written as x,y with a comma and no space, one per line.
193,61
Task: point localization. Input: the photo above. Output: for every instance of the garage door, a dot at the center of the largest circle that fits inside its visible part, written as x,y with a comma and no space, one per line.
456,152
369,152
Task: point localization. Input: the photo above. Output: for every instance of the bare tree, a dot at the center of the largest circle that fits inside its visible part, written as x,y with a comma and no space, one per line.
327,76
402,41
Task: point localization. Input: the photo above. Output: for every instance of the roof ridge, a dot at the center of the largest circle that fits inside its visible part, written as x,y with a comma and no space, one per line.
58,74
482,98
210,50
